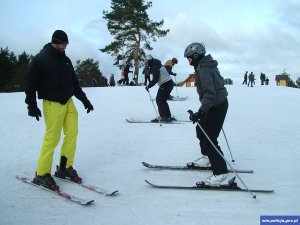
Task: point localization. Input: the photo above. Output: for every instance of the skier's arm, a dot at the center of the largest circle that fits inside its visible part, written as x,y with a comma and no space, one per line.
155,73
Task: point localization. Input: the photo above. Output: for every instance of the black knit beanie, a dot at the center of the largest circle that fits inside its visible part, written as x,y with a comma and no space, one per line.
60,37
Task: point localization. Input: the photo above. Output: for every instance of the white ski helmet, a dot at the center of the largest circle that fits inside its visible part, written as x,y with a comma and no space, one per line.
194,48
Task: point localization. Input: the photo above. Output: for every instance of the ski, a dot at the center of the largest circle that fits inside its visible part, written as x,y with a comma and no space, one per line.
59,193
90,187
228,187
145,121
174,99
188,168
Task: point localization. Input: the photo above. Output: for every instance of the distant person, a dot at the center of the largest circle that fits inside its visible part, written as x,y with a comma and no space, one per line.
165,83
262,78
245,78
52,76
169,66
267,81
126,76
122,80
112,81
146,72
105,81
251,79
94,82
212,112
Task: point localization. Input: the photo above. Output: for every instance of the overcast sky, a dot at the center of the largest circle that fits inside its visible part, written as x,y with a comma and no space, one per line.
256,35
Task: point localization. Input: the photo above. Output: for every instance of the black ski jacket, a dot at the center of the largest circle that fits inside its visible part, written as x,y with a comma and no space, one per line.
52,76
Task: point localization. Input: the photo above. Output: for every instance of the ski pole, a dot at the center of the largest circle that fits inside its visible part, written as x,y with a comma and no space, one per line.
218,151
176,86
232,160
154,107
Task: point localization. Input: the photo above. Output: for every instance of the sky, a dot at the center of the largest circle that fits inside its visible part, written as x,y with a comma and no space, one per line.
258,36
262,134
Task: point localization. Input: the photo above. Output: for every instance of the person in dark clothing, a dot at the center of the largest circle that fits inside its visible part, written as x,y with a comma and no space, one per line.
112,81
52,76
169,66
126,72
251,79
267,81
94,82
146,72
165,83
245,78
212,112
262,78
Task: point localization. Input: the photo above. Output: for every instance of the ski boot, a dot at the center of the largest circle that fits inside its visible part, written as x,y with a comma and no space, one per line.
200,162
69,173
215,180
46,181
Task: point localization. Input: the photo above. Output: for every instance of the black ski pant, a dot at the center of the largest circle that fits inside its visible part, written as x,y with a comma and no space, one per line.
161,99
126,79
212,125
147,78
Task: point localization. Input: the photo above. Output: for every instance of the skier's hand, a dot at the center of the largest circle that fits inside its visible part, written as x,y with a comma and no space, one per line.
174,74
195,117
147,89
34,111
88,106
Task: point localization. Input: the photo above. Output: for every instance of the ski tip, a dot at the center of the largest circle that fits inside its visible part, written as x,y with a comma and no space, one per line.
113,193
148,182
145,164
90,202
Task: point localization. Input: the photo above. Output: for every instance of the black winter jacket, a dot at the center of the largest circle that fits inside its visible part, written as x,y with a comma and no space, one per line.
52,76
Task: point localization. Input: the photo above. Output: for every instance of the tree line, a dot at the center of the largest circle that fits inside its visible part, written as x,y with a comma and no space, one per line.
13,70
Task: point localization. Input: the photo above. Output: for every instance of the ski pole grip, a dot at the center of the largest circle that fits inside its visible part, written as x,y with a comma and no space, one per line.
190,112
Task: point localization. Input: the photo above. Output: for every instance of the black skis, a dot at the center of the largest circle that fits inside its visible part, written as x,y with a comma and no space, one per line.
188,168
231,186
145,121
90,187
59,193
174,99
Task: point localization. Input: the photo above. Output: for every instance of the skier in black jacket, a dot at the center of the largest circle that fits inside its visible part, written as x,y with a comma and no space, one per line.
212,112
165,83
52,76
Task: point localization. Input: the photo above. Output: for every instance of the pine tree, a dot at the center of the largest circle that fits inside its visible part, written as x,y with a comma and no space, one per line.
87,71
133,30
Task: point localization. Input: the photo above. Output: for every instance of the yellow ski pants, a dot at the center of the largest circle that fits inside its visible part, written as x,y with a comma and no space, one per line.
58,117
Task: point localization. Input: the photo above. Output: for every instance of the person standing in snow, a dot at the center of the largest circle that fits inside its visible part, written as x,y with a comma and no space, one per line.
126,76
245,78
212,112
251,79
169,66
112,81
146,72
165,83
52,76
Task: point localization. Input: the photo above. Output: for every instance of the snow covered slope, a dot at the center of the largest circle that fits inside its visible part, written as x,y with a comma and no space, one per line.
262,127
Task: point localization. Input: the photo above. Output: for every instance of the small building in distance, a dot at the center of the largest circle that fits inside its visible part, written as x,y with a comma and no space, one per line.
282,80
190,81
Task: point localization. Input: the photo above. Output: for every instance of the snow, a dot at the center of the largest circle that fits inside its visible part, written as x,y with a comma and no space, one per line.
262,128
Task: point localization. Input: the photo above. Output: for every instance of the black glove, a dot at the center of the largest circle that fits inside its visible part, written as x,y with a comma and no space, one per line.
195,117
147,89
88,106
34,111
174,74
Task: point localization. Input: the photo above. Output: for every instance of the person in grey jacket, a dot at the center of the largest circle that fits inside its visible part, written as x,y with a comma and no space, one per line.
165,83
212,112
